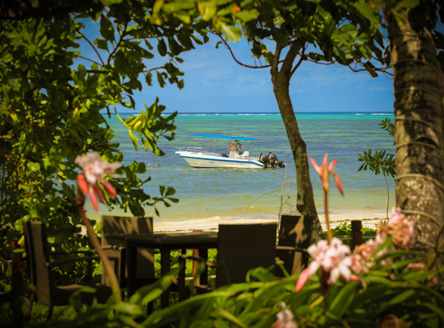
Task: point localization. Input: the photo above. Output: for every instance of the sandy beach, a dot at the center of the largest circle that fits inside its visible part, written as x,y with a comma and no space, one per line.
369,220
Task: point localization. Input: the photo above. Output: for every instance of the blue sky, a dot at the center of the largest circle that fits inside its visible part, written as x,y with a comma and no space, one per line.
214,82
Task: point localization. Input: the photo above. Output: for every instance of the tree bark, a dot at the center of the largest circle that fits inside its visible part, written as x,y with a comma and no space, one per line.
281,85
418,138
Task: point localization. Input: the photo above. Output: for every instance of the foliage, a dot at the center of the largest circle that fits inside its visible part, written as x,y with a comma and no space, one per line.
386,293
255,304
338,31
344,231
123,314
380,162
53,92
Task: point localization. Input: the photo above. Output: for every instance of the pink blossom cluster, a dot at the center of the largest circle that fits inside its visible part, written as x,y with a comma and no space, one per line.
284,318
335,258
364,255
332,258
401,229
94,168
403,236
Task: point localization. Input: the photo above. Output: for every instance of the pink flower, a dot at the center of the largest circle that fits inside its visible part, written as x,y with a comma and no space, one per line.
324,173
302,280
337,261
284,318
317,252
363,256
94,168
333,259
400,229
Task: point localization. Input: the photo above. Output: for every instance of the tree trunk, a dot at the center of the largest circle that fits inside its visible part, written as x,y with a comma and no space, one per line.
305,199
419,138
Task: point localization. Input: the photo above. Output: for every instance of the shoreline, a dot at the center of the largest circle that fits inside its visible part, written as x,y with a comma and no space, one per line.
369,220
198,221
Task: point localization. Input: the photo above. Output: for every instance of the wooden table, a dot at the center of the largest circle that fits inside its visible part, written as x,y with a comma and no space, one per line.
166,242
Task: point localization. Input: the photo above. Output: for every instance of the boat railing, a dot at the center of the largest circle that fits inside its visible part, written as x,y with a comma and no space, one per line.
192,149
199,150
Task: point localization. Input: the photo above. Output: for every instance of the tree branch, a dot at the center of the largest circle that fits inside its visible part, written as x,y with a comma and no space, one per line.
301,59
317,62
234,57
94,48
382,70
274,65
89,59
121,36
154,69
95,71
287,65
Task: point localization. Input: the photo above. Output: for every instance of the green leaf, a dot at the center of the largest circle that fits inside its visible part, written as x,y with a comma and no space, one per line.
183,17
436,309
207,9
146,53
110,2
397,299
134,139
175,48
233,33
106,29
343,299
160,79
247,15
101,44
230,317
365,10
161,47
170,191
33,166
404,4
280,37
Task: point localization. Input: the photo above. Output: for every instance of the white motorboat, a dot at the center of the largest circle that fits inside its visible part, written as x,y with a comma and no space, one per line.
236,157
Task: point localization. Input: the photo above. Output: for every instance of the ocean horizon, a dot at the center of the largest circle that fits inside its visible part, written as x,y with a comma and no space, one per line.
261,113
208,197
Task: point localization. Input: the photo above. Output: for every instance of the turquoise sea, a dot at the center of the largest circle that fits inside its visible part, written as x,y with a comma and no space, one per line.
211,196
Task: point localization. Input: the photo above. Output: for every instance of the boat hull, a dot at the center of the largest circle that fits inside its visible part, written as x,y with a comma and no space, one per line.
206,161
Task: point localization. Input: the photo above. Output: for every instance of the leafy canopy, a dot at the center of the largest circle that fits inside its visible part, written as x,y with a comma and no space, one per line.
54,89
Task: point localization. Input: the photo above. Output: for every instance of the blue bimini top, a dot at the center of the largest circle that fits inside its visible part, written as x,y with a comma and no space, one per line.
221,137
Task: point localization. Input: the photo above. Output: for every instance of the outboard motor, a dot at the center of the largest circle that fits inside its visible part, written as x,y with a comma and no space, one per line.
280,164
274,161
264,160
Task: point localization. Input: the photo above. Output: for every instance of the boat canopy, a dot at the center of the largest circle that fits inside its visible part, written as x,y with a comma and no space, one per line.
211,136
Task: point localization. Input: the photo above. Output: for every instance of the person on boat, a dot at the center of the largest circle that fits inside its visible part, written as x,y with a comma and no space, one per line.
239,148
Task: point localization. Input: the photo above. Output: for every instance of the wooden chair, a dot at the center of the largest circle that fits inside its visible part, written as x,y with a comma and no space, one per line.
294,238
39,264
241,247
115,248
